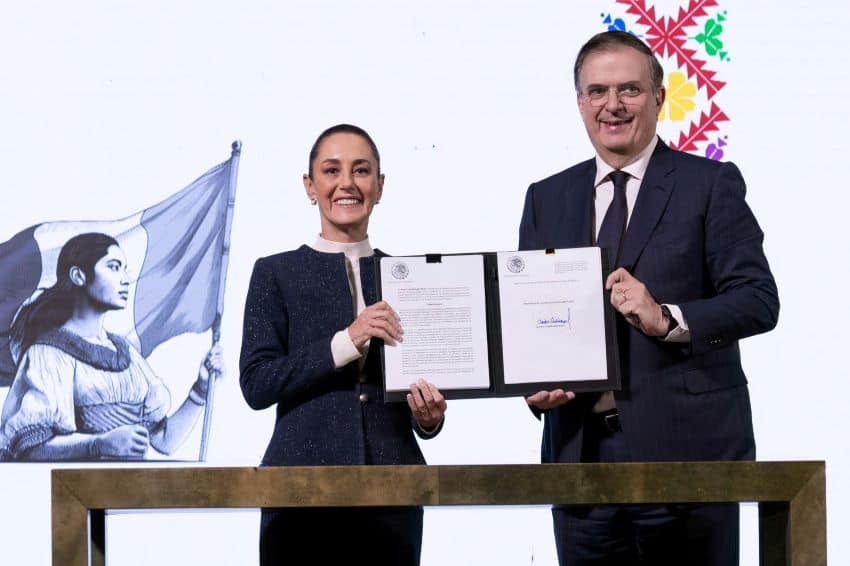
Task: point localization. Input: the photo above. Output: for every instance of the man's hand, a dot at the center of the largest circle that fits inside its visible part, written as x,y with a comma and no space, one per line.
631,298
545,400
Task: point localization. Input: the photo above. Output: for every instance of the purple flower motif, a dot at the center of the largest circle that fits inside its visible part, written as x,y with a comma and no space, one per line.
714,151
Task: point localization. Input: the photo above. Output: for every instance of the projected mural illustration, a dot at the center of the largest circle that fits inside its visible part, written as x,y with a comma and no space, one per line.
79,385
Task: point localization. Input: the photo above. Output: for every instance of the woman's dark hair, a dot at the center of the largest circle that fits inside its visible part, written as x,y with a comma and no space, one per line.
342,129
55,305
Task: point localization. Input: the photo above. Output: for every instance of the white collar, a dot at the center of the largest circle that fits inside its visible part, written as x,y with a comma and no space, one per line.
352,250
636,168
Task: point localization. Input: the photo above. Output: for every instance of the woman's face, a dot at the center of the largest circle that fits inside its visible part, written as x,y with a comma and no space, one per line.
346,185
110,287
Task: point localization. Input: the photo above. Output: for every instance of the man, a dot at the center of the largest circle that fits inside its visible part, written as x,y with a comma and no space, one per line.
691,280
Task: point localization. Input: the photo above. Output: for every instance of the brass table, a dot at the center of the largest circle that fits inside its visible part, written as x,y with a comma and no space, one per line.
791,495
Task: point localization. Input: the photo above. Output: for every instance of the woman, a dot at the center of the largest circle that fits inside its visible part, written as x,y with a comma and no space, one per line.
310,319
80,392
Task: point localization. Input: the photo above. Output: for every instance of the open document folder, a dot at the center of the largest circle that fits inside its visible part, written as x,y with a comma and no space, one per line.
500,324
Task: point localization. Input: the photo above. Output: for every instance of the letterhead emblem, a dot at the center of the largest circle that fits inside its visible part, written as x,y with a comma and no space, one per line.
400,270
516,264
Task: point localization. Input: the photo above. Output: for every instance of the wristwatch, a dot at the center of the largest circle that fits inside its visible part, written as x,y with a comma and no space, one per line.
672,323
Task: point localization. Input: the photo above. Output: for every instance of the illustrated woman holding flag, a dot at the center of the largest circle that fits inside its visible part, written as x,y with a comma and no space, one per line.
80,392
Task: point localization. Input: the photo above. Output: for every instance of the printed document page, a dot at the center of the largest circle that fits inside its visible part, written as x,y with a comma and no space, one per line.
443,316
553,324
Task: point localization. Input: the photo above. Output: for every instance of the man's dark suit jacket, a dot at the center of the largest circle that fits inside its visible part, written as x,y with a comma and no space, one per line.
693,241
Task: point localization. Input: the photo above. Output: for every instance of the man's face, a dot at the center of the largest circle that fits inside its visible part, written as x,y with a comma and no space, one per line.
617,104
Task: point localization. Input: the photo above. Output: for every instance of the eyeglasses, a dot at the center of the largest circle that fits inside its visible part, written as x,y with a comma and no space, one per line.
629,93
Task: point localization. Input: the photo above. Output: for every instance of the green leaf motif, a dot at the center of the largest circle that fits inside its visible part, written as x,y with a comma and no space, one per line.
710,37
712,28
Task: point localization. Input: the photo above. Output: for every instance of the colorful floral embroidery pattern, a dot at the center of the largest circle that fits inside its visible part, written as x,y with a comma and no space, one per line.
688,42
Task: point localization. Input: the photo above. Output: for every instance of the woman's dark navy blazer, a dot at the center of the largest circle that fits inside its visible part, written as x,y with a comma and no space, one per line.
296,302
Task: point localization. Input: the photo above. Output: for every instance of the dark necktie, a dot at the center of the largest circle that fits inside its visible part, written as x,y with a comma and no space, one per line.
614,224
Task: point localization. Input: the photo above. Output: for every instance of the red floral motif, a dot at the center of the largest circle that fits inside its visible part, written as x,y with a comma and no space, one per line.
667,37
699,131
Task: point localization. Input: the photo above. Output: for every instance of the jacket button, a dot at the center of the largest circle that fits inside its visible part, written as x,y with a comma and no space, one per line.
364,397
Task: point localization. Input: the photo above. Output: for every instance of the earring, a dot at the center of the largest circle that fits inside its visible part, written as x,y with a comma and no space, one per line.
377,202
313,201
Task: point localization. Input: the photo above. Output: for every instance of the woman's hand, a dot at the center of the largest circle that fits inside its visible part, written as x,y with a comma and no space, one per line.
427,404
376,321
125,442
212,365
167,439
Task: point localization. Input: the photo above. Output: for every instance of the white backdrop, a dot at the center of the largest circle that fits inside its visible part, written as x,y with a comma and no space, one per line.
109,107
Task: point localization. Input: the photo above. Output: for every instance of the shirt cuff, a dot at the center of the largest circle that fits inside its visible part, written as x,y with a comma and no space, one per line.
425,433
343,349
681,333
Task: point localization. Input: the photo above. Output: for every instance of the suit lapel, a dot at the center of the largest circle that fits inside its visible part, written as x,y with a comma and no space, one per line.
367,278
655,191
579,222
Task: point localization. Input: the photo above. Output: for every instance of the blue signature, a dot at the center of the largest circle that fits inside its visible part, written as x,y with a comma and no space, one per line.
556,321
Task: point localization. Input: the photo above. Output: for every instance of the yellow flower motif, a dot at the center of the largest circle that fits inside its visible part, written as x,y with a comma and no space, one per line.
680,97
